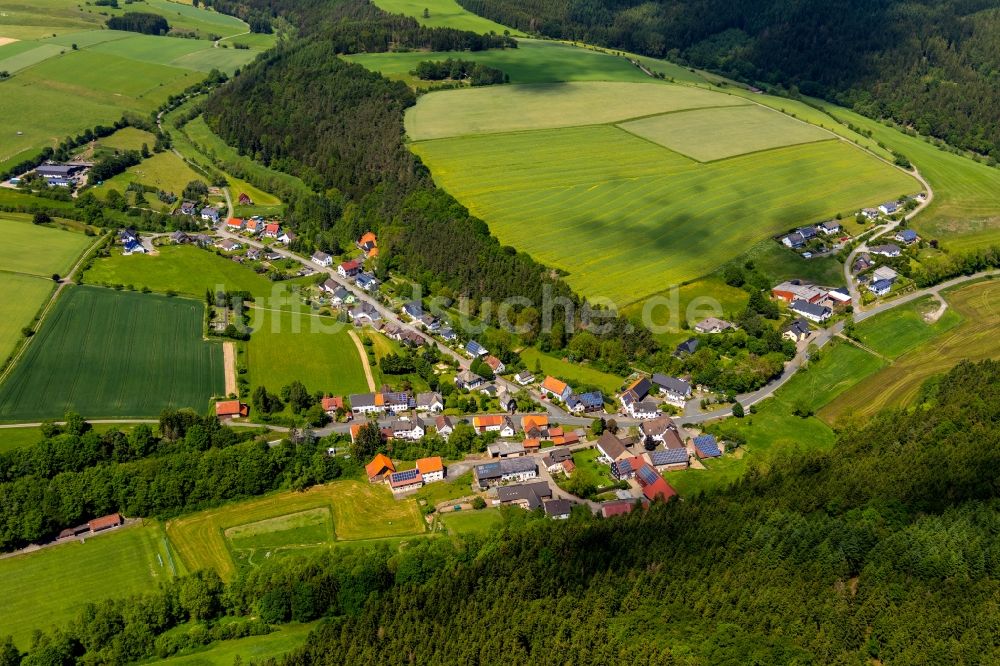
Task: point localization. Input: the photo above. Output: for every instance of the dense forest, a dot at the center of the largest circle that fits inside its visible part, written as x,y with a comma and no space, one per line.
884,549
932,64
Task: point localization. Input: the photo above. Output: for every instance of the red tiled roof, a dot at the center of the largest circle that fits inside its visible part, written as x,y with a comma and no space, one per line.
105,522
231,408
486,421
430,465
332,404
554,385
379,465
529,421
532,443
272,228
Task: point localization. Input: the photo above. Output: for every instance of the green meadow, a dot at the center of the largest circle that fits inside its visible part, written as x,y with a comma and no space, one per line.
164,171
905,327
36,249
318,351
495,109
482,523
533,61
104,353
575,374
626,218
49,587
25,295
442,14
284,638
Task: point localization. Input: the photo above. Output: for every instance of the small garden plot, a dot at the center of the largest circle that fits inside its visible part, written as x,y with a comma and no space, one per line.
707,135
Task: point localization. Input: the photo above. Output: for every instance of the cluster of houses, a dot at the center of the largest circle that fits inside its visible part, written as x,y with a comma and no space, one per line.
582,403
803,236
813,302
258,227
426,470
637,400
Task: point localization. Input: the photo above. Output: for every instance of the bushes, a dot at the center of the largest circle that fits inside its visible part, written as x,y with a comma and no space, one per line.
143,22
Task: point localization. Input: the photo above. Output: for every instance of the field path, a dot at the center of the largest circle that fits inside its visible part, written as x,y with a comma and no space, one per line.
364,360
229,363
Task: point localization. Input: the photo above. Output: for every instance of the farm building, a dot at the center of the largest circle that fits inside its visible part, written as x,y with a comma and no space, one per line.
796,290
611,448
231,409
528,496
505,449
106,522
653,485
667,460
705,446
619,507
431,469
405,481
379,468
505,471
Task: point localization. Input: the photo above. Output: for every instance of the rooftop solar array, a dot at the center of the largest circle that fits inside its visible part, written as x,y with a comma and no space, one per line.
669,457
647,475
406,475
707,446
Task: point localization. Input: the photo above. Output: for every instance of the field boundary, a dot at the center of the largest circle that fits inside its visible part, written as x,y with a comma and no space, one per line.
364,360
229,366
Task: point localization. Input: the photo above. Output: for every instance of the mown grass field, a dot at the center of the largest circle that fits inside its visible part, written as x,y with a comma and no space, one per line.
318,351
185,269
533,61
360,511
164,171
575,374
904,328
495,109
127,138
713,134
285,638
25,294
627,218
49,587
482,522
974,339
443,14
104,353
37,249
965,213
20,437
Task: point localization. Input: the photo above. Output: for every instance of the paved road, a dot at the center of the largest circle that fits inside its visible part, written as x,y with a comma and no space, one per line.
912,296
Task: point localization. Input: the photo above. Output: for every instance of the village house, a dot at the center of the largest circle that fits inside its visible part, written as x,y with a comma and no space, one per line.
322,259
667,460
829,227
272,230
366,281
676,392
368,244
811,311
529,496
447,334
797,331
133,247
611,448
889,207
488,423
870,213
253,226
625,468
505,471
712,325
646,409
430,402
592,401
505,450
635,393
430,322
287,237
253,254
411,429
235,224
180,238
888,250
524,378
862,263
348,268
379,468
558,509
227,410
907,236
187,208
209,214
332,404
686,348
431,469
793,240
468,380
507,402
496,365
662,429
555,460
555,388
880,287
474,349
884,273
619,507
444,426
535,425
244,199
414,310
364,312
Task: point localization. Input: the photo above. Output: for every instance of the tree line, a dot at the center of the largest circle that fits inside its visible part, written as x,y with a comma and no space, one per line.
457,69
144,22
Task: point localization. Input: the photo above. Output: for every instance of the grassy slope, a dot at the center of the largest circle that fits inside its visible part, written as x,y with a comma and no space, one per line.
24,296
37,250
164,171
978,305
485,521
318,351
903,328
627,218
965,213
573,373
532,62
114,354
442,14
360,512
49,587
774,430
285,638
185,269
714,134
127,138
494,109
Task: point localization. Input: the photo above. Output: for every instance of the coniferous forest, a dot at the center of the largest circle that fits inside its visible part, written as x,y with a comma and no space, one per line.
885,549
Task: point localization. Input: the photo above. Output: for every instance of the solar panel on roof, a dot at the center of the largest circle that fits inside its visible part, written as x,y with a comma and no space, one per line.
669,457
707,445
648,475
406,475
